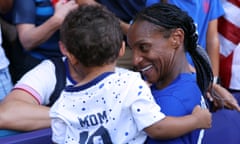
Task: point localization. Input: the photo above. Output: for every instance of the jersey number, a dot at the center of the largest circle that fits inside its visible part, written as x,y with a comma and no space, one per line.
101,136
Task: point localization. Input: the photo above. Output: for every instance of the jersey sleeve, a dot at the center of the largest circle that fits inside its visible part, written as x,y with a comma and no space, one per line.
39,82
144,109
24,12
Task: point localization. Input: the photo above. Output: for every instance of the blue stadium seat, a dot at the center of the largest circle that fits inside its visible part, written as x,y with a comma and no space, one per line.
42,136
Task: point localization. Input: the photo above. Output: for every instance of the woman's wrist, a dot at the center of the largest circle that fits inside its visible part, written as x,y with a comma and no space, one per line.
216,80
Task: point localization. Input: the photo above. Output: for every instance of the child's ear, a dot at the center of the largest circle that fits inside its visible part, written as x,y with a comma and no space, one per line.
122,50
65,52
62,48
72,59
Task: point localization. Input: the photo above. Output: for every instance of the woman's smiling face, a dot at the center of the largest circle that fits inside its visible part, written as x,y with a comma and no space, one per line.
153,55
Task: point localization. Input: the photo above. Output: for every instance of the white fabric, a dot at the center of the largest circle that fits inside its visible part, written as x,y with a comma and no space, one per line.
40,81
4,62
120,104
233,13
226,46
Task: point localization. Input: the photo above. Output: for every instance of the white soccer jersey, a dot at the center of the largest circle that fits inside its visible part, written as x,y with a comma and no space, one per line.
113,108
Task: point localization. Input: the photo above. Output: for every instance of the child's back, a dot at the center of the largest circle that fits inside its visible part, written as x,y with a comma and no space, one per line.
111,107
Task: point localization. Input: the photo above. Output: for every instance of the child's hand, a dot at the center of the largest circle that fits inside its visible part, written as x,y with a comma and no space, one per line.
203,116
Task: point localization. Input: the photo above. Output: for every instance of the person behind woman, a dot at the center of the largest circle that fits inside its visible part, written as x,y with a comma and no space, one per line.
160,36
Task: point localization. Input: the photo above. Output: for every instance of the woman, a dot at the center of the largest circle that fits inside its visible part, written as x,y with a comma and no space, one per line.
159,37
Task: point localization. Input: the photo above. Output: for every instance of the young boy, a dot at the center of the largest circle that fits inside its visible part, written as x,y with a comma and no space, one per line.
109,105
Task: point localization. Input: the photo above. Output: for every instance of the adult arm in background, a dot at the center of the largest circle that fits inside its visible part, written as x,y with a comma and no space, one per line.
222,98
212,46
5,6
31,35
21,111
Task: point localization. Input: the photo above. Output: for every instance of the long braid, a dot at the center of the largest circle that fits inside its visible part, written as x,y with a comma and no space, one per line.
170,17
